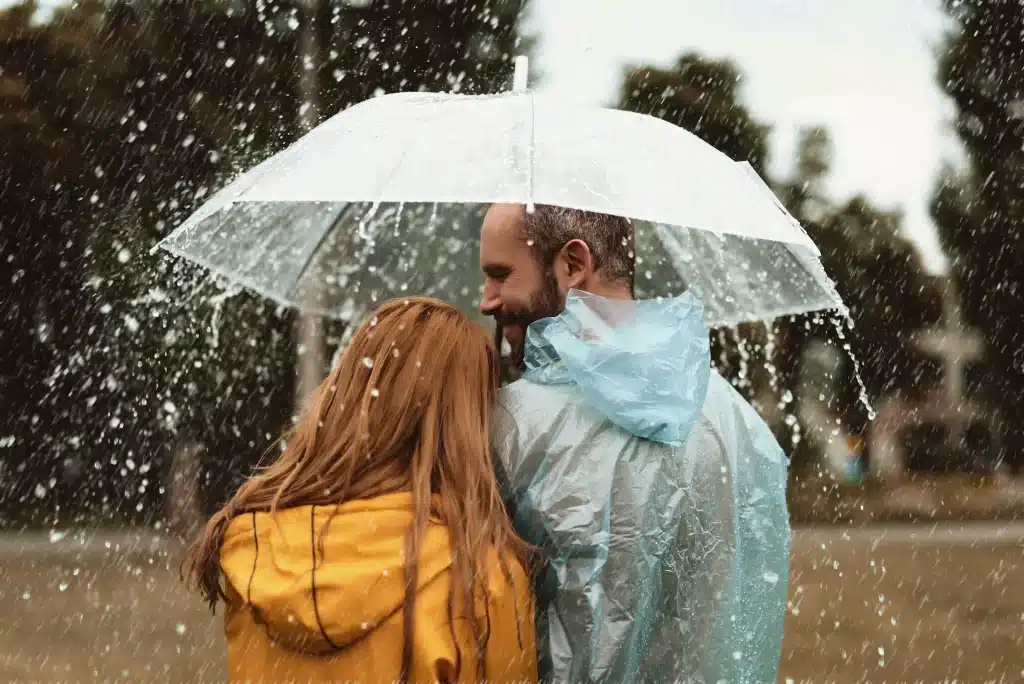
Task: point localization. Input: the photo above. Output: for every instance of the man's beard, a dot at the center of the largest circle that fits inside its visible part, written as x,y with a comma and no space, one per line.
544,303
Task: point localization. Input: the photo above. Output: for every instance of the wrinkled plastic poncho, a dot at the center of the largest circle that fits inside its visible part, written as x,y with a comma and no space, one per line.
657,492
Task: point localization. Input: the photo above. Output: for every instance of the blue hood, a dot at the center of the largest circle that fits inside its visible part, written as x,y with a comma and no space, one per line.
643,364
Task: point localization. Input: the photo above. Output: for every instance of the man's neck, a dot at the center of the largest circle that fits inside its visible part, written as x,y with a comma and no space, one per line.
611,314
607,290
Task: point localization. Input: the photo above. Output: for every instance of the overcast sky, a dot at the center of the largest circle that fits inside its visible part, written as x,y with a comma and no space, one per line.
863,68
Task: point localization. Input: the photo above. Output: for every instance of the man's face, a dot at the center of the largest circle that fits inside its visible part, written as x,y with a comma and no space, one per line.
518,290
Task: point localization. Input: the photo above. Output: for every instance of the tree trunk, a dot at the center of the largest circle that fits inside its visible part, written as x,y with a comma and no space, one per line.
184,514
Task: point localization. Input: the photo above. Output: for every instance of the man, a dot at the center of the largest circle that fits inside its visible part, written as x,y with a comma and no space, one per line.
656,491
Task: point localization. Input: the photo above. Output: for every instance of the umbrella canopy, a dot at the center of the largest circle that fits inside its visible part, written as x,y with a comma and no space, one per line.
386,197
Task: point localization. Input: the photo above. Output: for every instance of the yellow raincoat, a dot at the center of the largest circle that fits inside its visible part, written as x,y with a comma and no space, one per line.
341,621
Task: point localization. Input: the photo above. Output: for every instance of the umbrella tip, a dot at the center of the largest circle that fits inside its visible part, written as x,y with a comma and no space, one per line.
519,78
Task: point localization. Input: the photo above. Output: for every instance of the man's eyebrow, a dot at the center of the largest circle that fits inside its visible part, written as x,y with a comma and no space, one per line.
496,270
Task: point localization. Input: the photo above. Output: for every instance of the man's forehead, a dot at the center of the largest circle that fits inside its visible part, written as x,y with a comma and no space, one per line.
501,237
504,220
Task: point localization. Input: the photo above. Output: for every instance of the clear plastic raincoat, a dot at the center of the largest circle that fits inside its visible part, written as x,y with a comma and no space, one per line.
658,493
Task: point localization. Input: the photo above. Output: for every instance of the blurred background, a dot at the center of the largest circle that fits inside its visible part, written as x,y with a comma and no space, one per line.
136,392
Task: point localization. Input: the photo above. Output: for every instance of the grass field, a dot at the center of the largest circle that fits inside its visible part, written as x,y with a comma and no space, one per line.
859,612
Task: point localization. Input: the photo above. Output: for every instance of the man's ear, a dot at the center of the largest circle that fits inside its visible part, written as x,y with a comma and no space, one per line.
578,261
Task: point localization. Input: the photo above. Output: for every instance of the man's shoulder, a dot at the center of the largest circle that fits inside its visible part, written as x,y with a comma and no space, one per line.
730,424
721,394
724,403
524,395
723,413
528,412
533,408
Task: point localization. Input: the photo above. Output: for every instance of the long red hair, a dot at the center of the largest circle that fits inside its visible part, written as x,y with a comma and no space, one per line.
407,408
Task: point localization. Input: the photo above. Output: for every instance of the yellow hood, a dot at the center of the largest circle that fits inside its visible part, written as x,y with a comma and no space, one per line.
318,592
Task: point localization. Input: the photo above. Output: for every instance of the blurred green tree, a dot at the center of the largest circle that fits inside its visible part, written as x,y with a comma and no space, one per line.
979,210
120,118
703,96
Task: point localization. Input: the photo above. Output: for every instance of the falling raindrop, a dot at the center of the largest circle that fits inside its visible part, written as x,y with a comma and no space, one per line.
769,356
398,217
863,392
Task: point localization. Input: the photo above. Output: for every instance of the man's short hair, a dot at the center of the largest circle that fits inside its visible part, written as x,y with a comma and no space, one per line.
611,239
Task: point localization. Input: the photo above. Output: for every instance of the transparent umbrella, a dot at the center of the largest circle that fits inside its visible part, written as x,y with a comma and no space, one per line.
386,198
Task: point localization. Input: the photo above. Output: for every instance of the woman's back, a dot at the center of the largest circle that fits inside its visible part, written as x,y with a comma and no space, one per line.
341,619
376,546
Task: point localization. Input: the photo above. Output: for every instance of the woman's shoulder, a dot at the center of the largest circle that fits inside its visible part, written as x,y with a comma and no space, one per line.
507,576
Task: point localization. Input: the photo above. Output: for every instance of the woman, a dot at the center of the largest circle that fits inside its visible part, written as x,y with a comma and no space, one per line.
376,548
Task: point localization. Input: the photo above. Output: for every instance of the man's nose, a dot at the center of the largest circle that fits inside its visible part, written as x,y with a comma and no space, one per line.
490,301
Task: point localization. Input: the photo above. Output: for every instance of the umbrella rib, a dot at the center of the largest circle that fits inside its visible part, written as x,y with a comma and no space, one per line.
319,243
531,151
